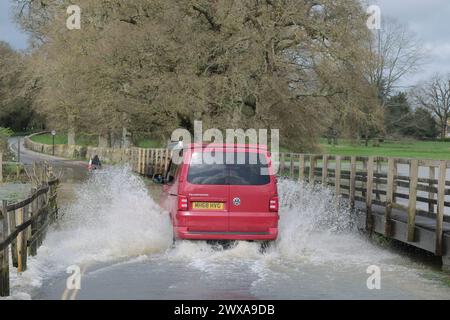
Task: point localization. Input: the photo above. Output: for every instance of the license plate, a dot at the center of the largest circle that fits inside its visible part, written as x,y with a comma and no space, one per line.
208,205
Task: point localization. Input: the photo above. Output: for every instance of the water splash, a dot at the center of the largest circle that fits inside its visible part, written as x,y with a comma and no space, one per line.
316,227
112,218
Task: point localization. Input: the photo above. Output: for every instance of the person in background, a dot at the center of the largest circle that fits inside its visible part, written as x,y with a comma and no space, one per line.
94,163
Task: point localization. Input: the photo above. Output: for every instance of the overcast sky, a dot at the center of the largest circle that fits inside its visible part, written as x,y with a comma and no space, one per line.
428,19
9,32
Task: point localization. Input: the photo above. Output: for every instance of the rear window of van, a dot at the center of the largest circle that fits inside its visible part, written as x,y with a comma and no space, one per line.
244,169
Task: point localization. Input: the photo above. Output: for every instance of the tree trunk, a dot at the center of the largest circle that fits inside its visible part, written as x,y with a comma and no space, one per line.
71,136
443,128
115,140
103,141
125,138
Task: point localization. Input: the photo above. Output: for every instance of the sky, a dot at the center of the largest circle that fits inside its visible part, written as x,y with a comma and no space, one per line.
9,32
428,19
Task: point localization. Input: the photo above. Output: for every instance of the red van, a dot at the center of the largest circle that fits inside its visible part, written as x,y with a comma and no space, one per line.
222,200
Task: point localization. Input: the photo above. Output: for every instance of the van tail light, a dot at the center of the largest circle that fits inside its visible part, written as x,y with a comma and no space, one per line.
182,203
273,204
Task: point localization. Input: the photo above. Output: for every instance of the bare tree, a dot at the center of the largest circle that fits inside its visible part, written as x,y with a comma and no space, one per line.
396,53
434,96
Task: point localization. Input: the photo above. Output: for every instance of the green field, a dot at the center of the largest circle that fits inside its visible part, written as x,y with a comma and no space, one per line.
148,143
84,140
62,139
435,150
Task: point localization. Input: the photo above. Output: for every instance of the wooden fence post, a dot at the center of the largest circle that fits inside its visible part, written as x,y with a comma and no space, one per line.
377,180
147,160
352,181
152,160
282,163
291,166
166,161
413,176
312,167
157,165
369,193
389,197
138,158
141,160
440,207
34,225
301,167
1,168
337,175
21,242
43,218
54,202
25,237
431,194
394,190
11,218
325,169
4,254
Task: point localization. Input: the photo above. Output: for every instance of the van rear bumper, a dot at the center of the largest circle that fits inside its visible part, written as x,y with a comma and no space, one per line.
185,233
226,226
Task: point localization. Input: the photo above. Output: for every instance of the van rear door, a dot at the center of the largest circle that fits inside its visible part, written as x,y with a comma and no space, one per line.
251,188
207,191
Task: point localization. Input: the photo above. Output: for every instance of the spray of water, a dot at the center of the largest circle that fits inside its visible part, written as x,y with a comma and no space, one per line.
113,218
314,227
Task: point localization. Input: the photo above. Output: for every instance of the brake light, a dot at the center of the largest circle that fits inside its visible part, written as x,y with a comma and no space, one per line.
182,203
273,204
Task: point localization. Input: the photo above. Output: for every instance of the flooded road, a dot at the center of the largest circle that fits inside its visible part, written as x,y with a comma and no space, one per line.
120,239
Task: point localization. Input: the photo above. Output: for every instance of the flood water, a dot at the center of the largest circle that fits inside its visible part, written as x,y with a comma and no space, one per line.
14,191
121,240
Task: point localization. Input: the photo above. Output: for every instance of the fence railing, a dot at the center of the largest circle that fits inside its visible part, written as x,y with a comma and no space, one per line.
23,226
415,186
150,161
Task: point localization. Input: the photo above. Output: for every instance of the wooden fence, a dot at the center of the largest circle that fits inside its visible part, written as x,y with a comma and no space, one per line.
23,227
150,161
413,186
416,187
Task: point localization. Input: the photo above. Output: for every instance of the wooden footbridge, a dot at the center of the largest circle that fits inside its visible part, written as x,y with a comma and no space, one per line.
403,199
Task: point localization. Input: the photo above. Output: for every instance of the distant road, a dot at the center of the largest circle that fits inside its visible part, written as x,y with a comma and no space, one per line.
74,170
28,156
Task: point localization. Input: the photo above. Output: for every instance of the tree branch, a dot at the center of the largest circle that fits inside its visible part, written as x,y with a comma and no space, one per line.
214,26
